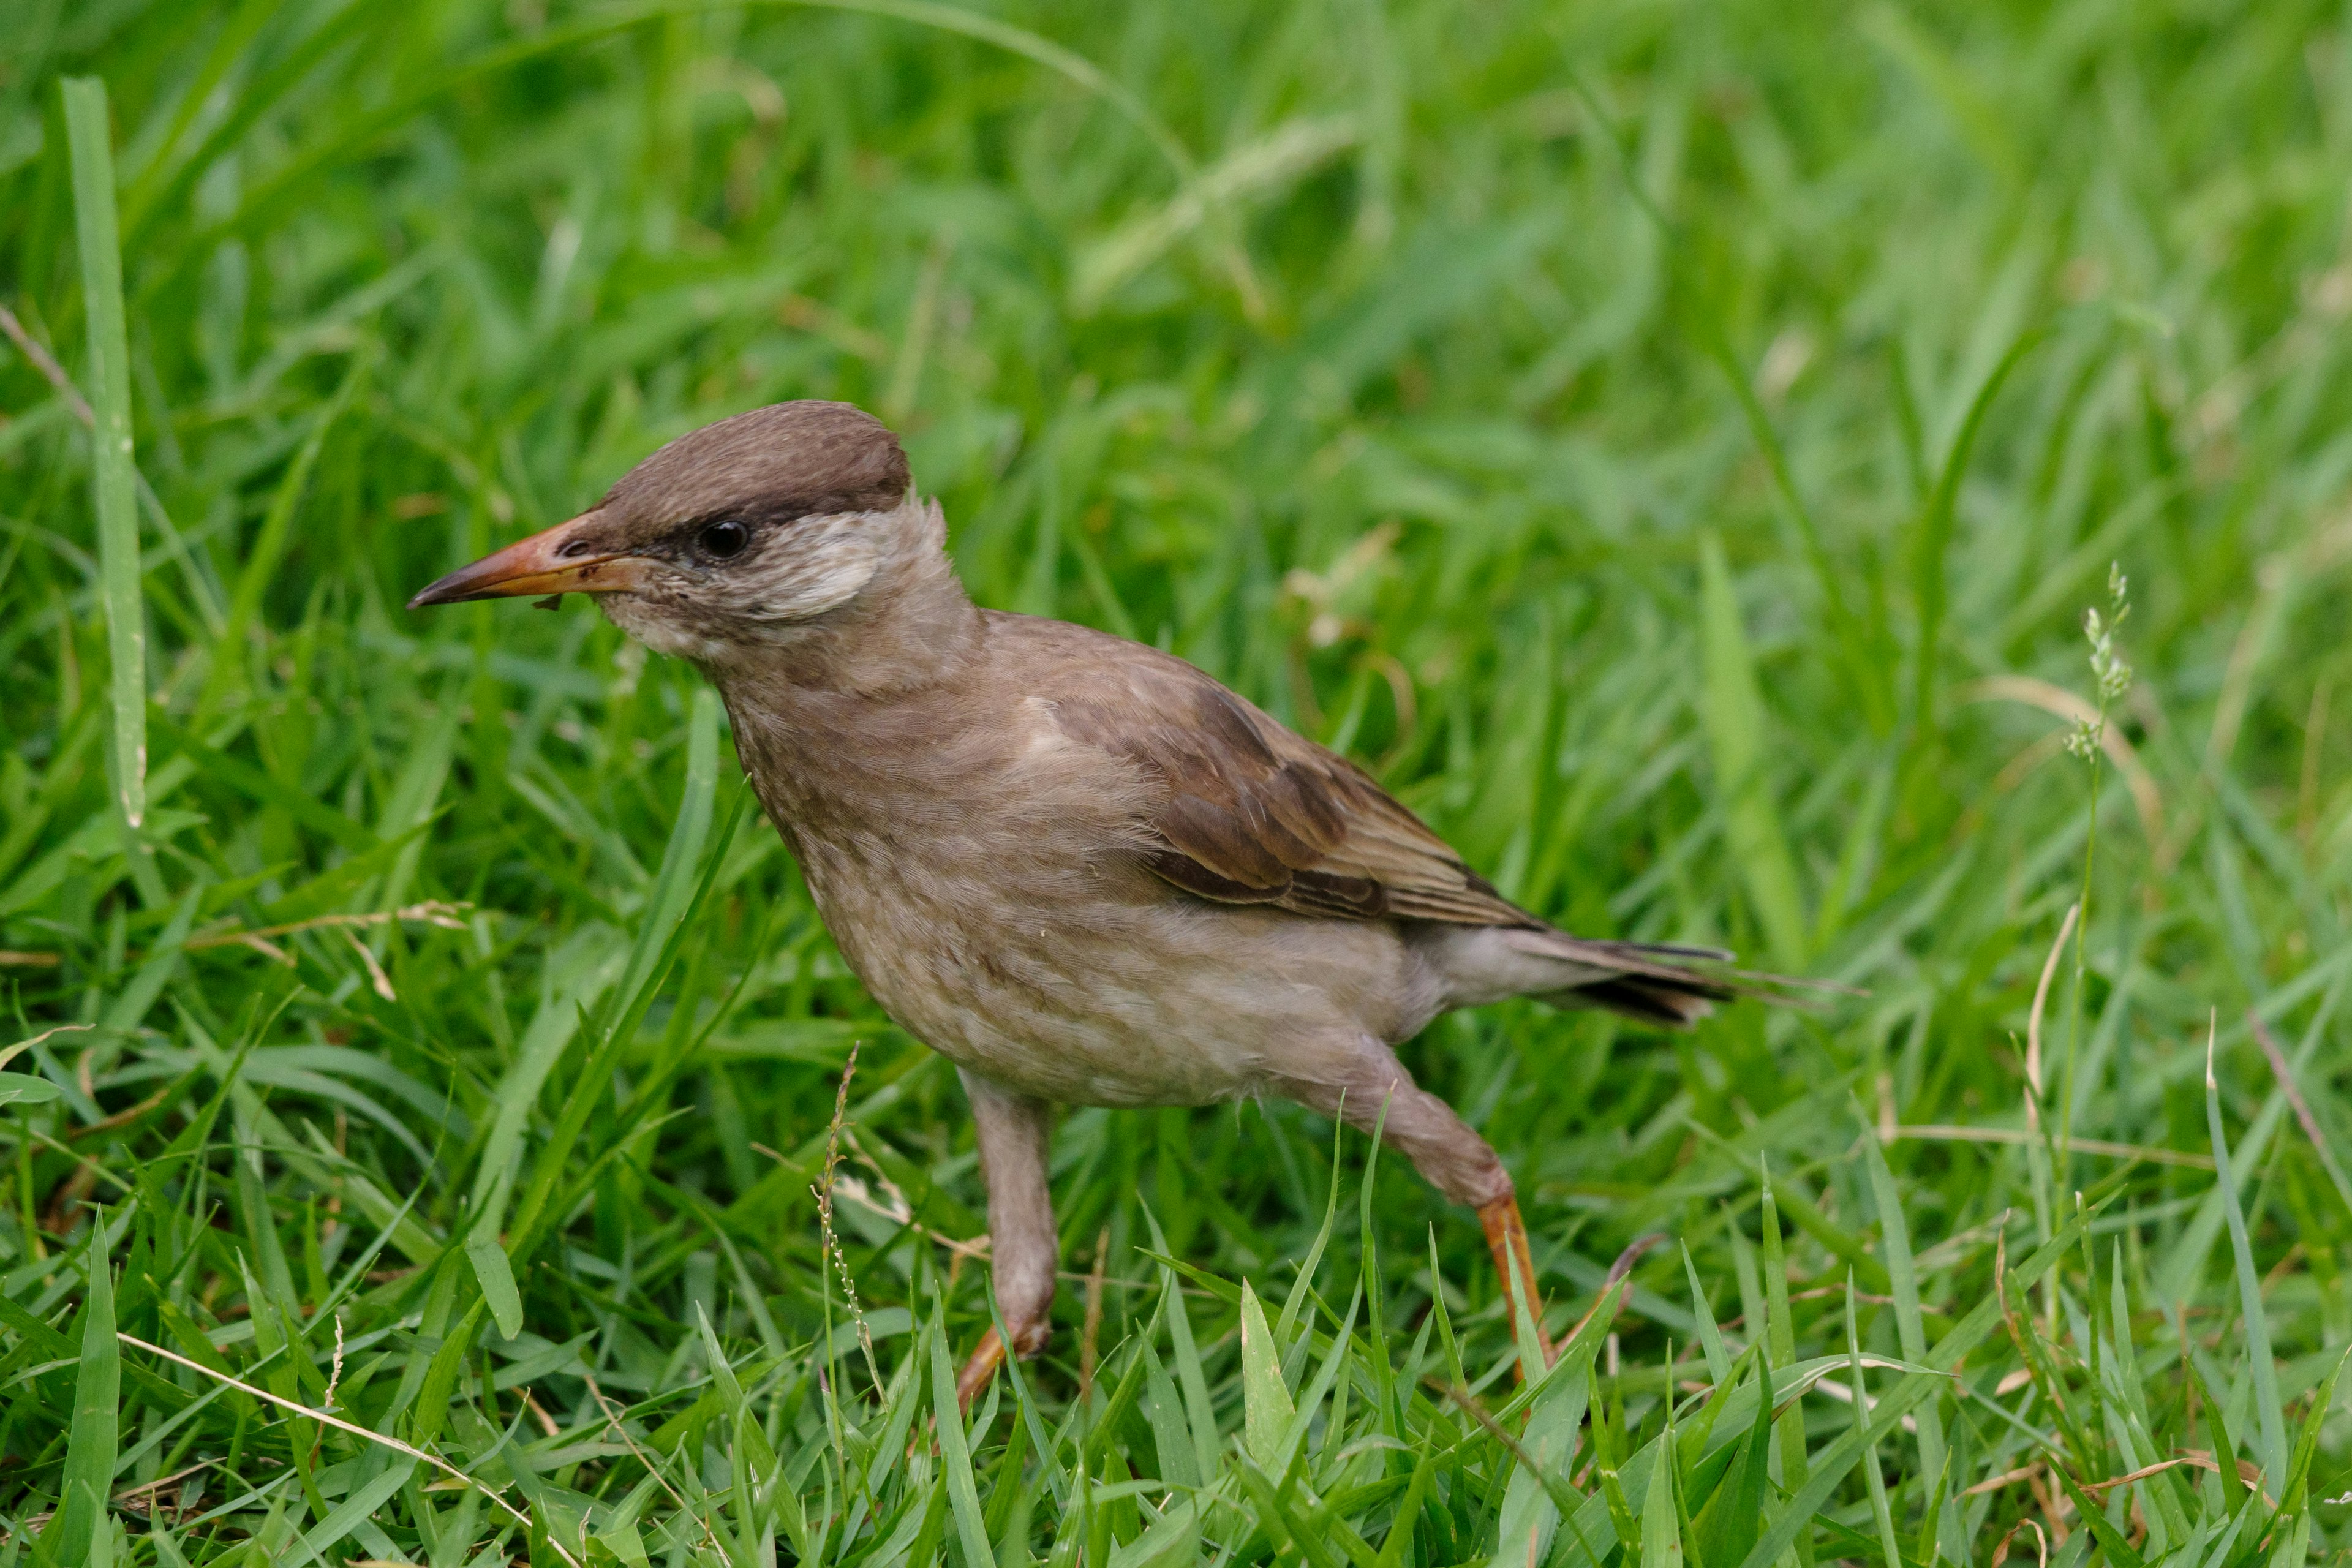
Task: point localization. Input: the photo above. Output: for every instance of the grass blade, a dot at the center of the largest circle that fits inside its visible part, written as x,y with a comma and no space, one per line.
1735,724
2268,1411
355,1510
107,1539
674,883
1781,1346
1710,1338
955,1451
541,1046
1903,1276
2307,1442
1171,1431
90,1448
113,488
1537,1499
1191,1377
1662,1541
496,1276
2111,1540
1876,1481
1305,1283
1729,1523
1267,1409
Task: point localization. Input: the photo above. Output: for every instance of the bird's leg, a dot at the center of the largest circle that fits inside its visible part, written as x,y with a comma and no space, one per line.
1507,1239
1370,1087
1023,1252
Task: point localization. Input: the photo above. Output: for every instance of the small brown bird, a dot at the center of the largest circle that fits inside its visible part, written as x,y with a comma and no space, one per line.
1079,868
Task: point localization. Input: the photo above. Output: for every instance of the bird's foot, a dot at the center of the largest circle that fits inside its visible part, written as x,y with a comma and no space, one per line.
970,1383
1506,1237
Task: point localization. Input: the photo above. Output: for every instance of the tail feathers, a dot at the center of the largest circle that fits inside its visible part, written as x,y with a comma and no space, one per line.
1649,1000
1662,949
1669,986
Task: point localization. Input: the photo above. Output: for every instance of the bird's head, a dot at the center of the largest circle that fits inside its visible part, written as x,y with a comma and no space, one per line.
733,537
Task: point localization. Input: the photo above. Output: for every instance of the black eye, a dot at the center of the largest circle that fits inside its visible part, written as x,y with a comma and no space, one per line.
724,540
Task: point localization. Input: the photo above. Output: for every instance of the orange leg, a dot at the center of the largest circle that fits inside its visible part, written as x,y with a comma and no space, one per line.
1506,1237
987,1355
973,1379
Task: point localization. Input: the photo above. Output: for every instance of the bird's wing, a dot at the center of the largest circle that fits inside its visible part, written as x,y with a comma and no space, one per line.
1242,811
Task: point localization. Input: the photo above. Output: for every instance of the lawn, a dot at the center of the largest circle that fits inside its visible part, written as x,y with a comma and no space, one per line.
1679,448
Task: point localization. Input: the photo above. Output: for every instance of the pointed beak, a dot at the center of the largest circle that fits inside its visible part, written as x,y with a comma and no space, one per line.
558,560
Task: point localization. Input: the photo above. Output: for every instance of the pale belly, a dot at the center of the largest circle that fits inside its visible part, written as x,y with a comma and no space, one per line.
1119,995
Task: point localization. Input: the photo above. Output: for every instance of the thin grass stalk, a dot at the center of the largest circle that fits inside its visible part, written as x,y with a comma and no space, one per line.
2112,677
112,489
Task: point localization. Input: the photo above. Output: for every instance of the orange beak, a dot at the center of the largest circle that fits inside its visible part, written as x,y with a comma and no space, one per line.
552,562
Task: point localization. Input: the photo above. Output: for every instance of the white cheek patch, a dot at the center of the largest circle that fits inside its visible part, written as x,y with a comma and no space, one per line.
656,630
820,566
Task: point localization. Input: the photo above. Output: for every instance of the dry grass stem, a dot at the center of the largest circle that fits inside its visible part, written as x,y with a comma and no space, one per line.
2033,1020
327,1418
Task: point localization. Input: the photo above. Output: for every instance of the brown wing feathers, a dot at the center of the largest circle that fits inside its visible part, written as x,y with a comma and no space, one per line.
1253,815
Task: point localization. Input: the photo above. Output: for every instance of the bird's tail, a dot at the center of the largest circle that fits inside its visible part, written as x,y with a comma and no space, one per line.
1660,984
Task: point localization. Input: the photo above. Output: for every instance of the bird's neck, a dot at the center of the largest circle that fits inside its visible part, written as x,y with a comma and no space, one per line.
835,728
910,629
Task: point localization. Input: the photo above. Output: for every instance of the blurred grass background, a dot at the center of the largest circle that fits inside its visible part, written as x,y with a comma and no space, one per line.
1674,445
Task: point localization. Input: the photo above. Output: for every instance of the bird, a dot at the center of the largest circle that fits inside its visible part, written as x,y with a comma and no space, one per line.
1079,868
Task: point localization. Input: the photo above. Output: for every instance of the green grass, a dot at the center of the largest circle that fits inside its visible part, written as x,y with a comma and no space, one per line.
1675,446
